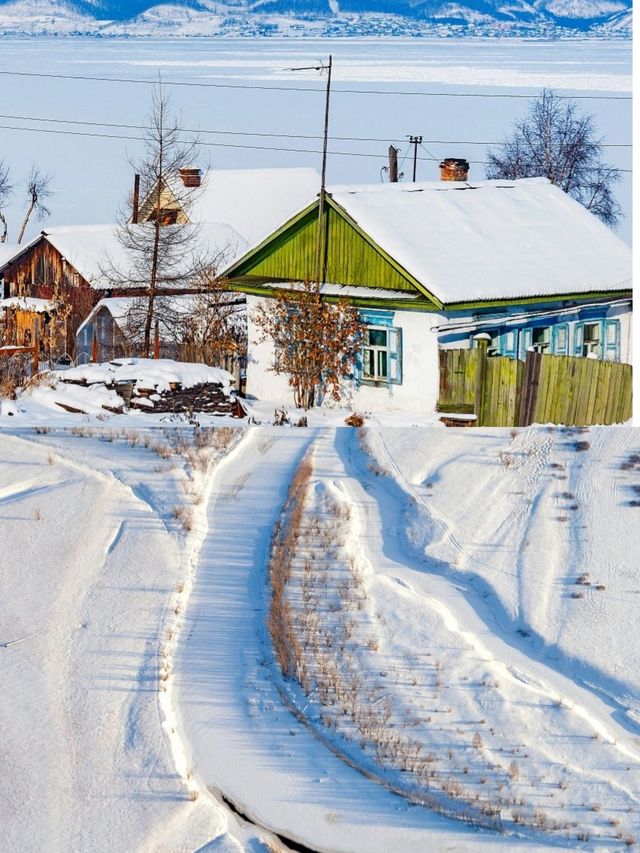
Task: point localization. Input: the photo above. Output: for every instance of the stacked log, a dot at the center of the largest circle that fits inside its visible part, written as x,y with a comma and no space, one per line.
209,398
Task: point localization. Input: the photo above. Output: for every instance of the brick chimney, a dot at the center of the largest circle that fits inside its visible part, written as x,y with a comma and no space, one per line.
191,177
454,169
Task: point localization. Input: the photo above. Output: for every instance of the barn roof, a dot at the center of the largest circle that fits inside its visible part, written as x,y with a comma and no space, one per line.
168,309
92,249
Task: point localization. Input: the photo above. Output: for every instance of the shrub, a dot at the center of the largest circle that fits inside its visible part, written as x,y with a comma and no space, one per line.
354,420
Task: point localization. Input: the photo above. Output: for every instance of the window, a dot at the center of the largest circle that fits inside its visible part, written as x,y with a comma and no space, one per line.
541,338
375,354
166,216
591,339
381,354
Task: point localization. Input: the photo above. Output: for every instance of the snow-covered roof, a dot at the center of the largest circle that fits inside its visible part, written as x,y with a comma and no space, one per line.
490,239
7,251
28,303
90,249
254,202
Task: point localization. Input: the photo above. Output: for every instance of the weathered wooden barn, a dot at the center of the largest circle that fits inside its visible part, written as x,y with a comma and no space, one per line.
231,209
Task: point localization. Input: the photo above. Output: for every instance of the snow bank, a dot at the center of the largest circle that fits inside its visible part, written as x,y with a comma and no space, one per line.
159,373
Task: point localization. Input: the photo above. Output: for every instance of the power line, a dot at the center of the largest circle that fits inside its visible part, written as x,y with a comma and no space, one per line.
208,144
85,133
316,89
267,135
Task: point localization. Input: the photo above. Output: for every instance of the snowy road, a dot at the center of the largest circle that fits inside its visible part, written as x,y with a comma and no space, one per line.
240,738
101,753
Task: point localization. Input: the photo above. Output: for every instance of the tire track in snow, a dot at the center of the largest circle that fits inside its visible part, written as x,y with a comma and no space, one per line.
150,663
579,708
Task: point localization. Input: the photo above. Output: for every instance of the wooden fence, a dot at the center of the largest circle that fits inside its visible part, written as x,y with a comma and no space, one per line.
458,369
561,389
557,389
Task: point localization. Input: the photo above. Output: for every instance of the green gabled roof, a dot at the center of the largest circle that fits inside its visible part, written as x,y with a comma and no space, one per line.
352,257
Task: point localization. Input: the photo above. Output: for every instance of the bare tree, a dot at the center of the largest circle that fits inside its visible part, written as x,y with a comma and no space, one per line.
6,189
162,250
556,141
316,344
216,326
210,322
38,191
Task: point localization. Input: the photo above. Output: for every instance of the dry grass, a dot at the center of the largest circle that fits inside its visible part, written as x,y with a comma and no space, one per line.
184,515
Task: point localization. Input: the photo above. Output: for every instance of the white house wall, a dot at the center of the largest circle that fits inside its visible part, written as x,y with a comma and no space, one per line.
624,314
418,391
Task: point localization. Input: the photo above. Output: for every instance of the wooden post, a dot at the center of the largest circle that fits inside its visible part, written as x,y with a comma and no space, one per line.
481,375
136,199
531,381
393,164
415,141
36,346
94,346
321,248
156,340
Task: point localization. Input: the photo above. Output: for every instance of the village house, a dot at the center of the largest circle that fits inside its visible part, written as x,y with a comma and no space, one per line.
231,210
432,265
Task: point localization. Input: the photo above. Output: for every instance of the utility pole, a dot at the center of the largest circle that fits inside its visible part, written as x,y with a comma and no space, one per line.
415,141
323,179
393,164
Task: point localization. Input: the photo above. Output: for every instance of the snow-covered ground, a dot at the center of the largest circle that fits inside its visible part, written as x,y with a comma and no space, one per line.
143,703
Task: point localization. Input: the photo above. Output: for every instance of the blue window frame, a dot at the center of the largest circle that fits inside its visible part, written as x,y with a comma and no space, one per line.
381,349
611,340
560,339
526,342
508,344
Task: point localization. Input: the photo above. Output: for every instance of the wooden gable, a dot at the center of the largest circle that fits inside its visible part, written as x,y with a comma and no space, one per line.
171,212
351,257
37,269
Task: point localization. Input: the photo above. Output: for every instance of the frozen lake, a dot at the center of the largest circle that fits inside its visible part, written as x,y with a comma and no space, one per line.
275,126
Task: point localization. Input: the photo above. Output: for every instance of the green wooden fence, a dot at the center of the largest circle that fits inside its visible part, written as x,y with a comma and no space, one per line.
545,389
458,369
576,391
500,400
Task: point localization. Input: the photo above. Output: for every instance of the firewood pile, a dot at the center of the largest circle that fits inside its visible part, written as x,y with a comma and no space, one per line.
208,398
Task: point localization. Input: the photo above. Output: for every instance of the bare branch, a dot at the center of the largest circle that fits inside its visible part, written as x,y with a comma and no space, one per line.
556,142
38,191
316,344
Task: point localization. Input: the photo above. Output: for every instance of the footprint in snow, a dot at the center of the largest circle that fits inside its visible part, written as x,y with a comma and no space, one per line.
403,583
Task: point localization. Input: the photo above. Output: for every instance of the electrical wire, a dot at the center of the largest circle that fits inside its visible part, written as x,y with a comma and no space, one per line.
84,133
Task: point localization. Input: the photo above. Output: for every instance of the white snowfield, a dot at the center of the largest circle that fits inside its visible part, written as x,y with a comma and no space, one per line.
140,691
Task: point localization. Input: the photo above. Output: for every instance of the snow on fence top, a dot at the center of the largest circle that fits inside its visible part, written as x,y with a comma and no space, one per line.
158,374
490,239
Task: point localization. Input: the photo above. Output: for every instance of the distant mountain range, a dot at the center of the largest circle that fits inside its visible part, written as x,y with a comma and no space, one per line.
272,17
